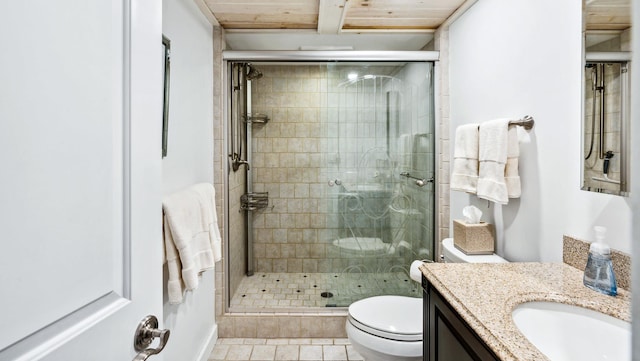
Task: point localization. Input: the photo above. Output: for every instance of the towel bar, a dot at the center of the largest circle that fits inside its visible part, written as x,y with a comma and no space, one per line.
527,122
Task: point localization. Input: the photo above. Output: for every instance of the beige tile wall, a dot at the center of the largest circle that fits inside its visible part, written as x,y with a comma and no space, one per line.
289,163
219,161
441,44
283,325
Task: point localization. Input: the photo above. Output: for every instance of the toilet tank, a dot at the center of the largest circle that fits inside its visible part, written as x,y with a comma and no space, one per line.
453,255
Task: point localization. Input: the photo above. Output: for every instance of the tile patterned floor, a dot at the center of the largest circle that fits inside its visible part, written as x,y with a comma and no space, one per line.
287,290
293,349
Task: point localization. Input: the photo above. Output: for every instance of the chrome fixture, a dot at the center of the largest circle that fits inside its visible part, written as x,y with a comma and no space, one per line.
146,332
253,73
236,162
254,201
420,182
256,119
526,122
335,182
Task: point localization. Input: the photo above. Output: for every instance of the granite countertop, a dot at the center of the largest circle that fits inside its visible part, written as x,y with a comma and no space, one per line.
485,294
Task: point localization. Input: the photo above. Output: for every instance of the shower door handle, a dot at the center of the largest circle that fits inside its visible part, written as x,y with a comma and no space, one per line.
335,182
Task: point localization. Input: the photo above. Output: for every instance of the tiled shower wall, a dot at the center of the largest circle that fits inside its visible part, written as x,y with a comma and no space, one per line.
289,163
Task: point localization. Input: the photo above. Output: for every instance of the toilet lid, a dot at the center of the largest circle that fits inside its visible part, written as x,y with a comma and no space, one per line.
392,317
455,255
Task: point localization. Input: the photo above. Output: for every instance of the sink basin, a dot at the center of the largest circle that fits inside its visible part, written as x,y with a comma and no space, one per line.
566,332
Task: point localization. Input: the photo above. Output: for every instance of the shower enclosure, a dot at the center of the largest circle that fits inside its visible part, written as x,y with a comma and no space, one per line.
330,181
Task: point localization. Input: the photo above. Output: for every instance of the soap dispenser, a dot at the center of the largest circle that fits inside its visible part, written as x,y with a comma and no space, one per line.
598,275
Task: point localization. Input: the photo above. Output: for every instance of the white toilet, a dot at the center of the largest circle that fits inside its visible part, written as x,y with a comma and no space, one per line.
389,328
453,255
386,328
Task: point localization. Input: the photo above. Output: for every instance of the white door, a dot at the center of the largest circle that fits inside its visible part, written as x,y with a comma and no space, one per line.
80,198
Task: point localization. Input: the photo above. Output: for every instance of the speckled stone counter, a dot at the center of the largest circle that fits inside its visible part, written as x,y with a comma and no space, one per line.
485,295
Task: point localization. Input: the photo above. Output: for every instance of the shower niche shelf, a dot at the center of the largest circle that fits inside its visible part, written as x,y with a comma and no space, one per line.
254,201
256,119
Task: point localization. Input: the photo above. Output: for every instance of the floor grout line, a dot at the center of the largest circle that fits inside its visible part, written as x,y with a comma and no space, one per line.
248,349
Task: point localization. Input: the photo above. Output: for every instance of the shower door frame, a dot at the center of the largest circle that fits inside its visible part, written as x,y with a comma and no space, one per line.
233,56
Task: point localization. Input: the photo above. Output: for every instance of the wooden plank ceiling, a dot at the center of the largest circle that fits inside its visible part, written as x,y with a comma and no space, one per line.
608,14
333,16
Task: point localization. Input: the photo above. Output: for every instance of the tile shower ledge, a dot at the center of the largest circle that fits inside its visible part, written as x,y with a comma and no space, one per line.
485,295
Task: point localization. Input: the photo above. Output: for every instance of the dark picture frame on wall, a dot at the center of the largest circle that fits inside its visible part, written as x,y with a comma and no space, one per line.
166,45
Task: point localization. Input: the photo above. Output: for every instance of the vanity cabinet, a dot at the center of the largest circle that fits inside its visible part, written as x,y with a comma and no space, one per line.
447,337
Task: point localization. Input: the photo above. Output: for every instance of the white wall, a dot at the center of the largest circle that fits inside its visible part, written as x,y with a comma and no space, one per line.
635,186
511,58
189,161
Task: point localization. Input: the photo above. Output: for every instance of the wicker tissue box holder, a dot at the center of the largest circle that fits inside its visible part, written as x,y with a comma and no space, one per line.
474,238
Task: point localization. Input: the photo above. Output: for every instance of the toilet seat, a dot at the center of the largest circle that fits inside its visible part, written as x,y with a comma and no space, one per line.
392,317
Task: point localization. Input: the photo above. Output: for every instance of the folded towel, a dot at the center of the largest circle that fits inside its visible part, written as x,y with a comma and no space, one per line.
492,154
511,176
464,176
191,236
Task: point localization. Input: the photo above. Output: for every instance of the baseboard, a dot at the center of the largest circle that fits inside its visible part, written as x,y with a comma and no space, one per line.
206,350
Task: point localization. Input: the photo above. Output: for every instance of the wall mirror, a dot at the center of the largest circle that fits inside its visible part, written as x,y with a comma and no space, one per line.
605,126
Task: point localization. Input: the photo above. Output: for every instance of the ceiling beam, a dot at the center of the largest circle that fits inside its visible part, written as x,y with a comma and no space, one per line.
458,13
331,14
207,12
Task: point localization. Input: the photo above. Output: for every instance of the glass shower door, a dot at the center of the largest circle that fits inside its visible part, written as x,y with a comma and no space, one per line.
380,170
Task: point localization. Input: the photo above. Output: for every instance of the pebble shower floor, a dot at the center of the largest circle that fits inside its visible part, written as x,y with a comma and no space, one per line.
291,290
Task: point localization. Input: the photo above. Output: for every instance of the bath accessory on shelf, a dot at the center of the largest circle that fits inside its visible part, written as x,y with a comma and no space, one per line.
254,201
420,182
256,119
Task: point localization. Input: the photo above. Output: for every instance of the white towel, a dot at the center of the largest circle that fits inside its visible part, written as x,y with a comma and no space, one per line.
511,176
191,237
464,176
492,154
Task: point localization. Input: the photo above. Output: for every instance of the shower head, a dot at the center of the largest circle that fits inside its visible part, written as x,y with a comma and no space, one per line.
253,73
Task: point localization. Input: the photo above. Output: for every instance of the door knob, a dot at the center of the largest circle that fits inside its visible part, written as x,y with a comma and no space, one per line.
145,333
